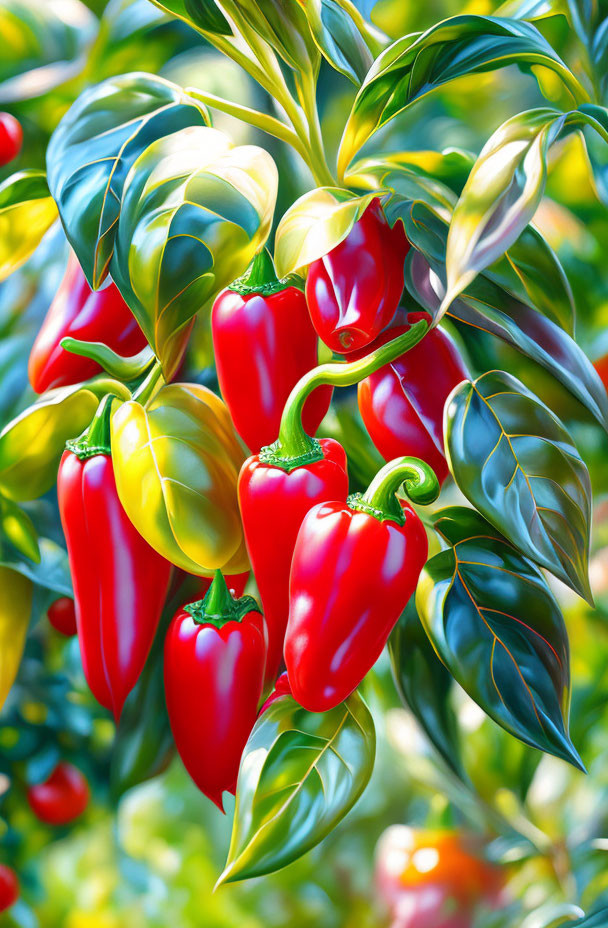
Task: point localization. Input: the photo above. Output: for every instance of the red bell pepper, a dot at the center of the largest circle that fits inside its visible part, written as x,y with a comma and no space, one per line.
62,797
120,582
215,653
402,403
353,291
278,486
87,315
9,887
11,138
355,566
264,342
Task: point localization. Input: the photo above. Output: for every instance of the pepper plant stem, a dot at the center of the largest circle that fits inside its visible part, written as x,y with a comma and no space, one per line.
419,480
293,442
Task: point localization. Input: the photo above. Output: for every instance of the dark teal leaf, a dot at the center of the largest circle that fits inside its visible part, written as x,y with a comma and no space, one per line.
515,461
51,573
499,631
425,685
336,28
301,772
485,305
95,145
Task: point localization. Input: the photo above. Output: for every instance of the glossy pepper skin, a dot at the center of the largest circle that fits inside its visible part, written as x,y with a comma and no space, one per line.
273,504
62,797
87,315
11,138
215,653
402,403
9,887
120,582
285,480
353,292
264,342
355,566
62,616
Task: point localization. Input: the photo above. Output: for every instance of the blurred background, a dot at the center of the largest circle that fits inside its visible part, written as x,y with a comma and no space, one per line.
148,853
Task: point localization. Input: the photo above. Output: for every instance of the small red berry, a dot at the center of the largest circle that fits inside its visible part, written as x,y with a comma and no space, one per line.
11,137
62,615
61,798
9,887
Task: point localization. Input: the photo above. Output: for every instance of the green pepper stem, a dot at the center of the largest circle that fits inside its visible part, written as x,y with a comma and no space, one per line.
116,365
148,387
418,479
293,442
96,437
261,278
218,606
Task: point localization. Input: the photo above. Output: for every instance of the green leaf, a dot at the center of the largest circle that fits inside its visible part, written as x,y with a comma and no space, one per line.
532,9
44,44
203,15
339,31
52,572
595,919
531,270
515,461
504,189
19,529
596,141
424,685
486,306
283,25
31,444
415,65
317,222
454,524
499,631
301,772
195,211
27,211
93,149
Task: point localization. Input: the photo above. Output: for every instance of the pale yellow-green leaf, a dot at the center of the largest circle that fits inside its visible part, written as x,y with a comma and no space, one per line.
27,211
316,223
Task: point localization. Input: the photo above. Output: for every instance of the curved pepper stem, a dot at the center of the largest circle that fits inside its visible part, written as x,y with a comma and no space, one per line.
294,447
96,437
122,368
218,606
260,278
418,479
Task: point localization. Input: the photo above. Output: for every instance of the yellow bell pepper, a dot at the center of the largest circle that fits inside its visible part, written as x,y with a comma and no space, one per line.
176,462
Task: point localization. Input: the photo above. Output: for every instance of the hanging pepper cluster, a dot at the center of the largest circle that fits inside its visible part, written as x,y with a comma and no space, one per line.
234,577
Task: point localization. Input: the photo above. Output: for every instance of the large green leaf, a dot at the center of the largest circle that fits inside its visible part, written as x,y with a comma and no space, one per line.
424,685
416,64
43,45
340,33
515,461
301,772
31,444
505,187
313,225
203,15
499,631
533,273
27,211
52,571
94,147
486,305
283,25
19,529
195,211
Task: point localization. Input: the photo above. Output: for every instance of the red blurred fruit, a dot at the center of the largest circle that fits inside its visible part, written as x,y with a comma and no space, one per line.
62,615
61,798
434,879
9,887
11,137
